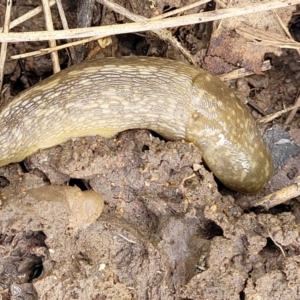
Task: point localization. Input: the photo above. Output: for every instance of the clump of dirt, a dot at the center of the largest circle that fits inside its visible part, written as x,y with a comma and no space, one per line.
165,232
152,231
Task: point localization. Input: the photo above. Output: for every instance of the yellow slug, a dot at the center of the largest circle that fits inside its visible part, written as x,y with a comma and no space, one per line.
106,96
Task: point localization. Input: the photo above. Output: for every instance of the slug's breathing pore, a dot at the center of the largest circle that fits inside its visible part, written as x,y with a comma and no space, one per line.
106,96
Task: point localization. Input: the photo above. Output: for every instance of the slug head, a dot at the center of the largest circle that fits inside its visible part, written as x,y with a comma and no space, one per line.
221,126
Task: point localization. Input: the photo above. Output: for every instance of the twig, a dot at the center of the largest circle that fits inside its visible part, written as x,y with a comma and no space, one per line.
62,15
280,196
271,117
146,25
52,43
242,72
3,44
65,25
293,112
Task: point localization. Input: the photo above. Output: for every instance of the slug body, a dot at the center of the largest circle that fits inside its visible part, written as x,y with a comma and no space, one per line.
106,96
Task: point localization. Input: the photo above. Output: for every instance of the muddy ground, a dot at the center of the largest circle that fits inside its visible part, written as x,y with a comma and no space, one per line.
139,217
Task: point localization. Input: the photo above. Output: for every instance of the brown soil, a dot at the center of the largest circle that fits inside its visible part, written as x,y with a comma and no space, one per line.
138,217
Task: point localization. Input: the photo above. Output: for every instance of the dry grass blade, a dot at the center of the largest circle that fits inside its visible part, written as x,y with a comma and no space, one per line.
180,10
52,43
266,38
103,31
65,26
3,44
104,41
286,30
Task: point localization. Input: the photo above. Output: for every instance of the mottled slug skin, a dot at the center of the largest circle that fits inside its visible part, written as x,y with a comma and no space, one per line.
106,96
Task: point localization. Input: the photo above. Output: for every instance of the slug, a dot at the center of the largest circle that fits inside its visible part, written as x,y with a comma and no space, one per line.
106,96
